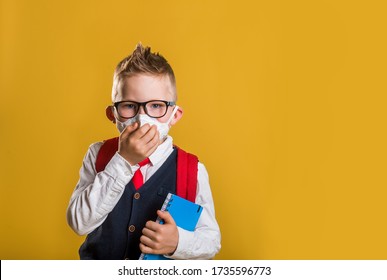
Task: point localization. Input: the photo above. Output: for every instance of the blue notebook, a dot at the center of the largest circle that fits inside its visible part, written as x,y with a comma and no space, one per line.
185,213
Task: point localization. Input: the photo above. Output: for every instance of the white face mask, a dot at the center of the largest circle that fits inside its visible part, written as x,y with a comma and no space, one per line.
163,128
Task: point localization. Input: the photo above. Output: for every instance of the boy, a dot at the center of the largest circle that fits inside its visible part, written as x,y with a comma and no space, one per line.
116,198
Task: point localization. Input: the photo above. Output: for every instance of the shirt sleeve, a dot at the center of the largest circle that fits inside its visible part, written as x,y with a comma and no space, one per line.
96,194
204,241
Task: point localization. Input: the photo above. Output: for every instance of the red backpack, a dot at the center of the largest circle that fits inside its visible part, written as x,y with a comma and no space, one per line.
187,168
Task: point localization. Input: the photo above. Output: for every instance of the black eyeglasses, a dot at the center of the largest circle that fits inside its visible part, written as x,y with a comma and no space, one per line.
153,108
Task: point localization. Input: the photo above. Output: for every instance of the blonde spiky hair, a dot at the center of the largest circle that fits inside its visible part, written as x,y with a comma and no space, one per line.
143,61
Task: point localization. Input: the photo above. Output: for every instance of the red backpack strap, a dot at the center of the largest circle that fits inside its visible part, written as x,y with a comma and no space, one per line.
187,168
105,153
187,175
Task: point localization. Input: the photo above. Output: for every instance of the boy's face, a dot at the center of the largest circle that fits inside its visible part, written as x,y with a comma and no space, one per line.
142,88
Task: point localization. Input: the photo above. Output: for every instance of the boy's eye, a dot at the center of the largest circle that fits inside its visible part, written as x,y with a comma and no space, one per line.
127,106
156,105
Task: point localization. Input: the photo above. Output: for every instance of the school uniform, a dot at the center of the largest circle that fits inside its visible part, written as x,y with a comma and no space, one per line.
108,208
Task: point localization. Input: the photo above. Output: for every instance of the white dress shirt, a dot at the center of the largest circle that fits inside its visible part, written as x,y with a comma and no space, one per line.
96,194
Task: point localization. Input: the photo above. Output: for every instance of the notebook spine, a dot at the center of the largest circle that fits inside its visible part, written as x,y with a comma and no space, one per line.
167,203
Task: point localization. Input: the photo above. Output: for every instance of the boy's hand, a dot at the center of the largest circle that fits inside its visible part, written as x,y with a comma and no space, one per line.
137,143
160,239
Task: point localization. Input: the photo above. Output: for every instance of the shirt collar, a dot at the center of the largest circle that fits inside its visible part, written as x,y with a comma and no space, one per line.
162,151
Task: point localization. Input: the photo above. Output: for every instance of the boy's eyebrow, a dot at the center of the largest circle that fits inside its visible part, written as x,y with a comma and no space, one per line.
169,102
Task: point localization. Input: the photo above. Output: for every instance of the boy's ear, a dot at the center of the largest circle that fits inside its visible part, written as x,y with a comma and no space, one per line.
178,116
110,114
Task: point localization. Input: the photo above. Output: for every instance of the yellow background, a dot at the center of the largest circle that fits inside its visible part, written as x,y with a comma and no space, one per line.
285,104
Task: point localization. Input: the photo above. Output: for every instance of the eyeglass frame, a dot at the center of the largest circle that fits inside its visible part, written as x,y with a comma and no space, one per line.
143,105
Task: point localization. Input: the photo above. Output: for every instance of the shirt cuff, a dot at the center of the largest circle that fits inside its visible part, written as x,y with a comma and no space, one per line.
183,246
120,169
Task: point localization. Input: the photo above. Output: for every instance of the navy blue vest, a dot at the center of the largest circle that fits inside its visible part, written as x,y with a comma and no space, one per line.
119,235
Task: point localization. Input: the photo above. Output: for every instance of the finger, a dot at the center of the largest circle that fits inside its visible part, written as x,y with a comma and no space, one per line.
153,226
137,135
137,132
149,142
143,130
149,134
129,129
149,233
166,216
142,136
146,241
152,145
145,249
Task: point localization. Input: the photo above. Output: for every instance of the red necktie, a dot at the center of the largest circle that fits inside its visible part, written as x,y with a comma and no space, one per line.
138,179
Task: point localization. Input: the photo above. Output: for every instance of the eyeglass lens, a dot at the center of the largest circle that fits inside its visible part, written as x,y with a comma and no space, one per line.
155,109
